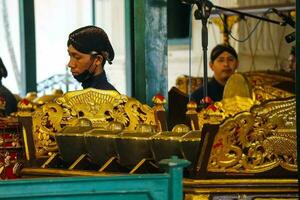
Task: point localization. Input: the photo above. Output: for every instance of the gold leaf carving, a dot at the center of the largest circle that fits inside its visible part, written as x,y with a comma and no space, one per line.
101,107
257,141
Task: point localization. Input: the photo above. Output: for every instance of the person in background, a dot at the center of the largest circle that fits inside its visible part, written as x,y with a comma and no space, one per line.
223,63
288,70
292,60
8,102
89,49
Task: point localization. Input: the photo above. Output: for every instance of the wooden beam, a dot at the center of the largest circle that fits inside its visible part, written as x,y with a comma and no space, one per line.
150,50
28,47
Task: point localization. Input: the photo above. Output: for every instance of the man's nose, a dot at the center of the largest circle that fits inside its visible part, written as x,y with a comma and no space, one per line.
70,64
226,63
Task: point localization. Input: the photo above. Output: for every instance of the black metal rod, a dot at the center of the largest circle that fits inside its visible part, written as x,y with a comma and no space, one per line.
203,13
204,47
93,12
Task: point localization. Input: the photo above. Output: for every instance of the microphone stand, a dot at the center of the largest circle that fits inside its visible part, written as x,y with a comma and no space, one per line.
202,13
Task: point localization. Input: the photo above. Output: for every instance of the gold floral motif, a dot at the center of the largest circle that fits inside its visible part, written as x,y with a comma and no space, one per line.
138,114
46,121
119,116
257,141
219,111
263,86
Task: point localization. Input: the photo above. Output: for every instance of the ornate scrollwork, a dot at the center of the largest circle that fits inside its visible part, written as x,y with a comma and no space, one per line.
253,89
257,141
46,121
92,104
138,114
99,106
263,86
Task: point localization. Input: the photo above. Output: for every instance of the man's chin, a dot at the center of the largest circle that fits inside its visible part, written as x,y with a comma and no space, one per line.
226,77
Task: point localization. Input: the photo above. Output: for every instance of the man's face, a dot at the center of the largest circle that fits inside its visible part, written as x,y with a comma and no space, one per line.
79,62
224,66
292,62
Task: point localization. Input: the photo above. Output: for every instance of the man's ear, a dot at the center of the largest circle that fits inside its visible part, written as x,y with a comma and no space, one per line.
99,60
211,66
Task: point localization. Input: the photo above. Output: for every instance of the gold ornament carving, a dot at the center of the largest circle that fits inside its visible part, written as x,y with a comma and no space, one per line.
46,121
138,114
257,141
263,86
101,107
235,100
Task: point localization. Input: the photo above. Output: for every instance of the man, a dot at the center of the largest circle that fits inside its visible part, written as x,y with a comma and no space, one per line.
223,62
8,102
89,48
292,60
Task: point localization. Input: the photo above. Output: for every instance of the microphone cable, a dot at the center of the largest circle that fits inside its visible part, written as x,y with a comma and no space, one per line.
251,32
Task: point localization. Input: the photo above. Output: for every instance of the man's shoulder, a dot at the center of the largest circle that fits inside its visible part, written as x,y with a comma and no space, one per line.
197,95
4,91
105,86
201,88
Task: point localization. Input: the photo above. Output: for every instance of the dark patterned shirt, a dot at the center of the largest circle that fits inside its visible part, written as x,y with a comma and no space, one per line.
214,91
98,82
10,100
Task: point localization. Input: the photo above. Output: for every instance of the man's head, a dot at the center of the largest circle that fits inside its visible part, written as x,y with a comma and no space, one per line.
292,60
223,62
89,48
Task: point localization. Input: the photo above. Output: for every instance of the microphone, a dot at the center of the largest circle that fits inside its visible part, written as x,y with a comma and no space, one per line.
286,19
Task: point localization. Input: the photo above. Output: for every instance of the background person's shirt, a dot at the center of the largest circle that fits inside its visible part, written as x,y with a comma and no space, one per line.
214,91
10,100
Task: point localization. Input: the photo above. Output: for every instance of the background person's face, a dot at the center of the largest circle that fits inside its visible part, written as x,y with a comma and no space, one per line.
224,66
79,62
292,62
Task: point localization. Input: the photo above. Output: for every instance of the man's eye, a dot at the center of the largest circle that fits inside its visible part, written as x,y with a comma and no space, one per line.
231,58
